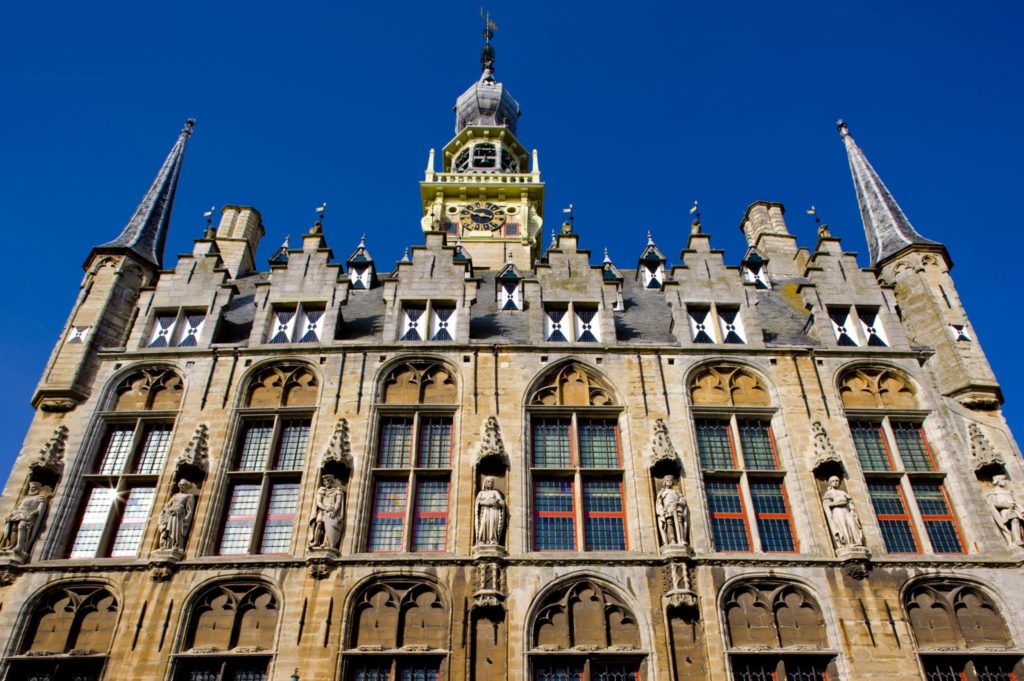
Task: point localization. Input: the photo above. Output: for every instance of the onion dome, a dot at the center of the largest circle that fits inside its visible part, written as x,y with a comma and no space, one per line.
486,102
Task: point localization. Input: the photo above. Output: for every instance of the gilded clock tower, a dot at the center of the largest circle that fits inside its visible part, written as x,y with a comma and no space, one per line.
488,194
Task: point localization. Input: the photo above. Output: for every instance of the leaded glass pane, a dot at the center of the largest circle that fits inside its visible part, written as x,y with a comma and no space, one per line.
395,442
714,445
938,519
554,524
277,530
598,443
893,520
728,523
371,671
568,670
604,522
255,445
756,443
388,515
911,445
435,444
754,670
551,443
241,518
154,449
119,446
133,522
867,440
94,521
420,672
430,526
614,671
773,522
291,450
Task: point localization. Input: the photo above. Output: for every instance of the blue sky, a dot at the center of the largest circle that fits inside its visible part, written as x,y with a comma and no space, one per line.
637,109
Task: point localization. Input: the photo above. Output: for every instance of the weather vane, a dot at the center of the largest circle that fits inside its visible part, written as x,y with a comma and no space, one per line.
572,216
814,211
489,26
209,216
321,210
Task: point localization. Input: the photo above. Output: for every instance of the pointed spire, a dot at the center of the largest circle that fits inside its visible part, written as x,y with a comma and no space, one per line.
146,231
886,227
280,257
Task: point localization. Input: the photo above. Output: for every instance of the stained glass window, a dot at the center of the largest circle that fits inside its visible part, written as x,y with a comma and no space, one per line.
869,442
714,442
554,515
938,519
603,519
771,511
728,519
893,519
757,445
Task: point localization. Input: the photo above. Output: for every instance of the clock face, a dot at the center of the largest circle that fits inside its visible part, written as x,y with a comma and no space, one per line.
482,215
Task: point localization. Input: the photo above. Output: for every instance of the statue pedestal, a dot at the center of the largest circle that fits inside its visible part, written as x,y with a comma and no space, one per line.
165,555
12,557
677,550
853,553
489,551
856,561
163,563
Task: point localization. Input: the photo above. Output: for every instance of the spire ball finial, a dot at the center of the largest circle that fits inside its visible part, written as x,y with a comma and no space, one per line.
844,130
190,124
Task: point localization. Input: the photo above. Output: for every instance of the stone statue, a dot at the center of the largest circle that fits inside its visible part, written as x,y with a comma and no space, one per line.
841,515
1008,514
176,517
328,514
490,514
673,514
25,522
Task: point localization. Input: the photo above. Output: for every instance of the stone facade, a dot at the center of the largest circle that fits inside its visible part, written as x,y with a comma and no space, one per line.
494,462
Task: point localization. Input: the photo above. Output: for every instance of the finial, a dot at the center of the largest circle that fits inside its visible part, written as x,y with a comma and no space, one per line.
405,256
190,125
284,244
650,239
814,211
510,257
487,53
844,131
321,210
607,260
695,212
362,241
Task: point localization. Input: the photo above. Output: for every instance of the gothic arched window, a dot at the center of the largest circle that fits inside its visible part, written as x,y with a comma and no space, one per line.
399,630
948,616
584,631
576,463
230,633
743,475
413,460
268,458
69,633
767,621
888,435
121,482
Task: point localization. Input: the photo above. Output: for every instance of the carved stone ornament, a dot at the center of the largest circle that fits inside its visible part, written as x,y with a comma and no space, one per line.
339,449
195,456
984,456
492,447
825,455
679,594
50,459
320,564
162,570
490,586
8,574
662,451
57,405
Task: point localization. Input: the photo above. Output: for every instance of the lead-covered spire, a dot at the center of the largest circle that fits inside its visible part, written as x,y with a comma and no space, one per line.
146,231
886,227
486,102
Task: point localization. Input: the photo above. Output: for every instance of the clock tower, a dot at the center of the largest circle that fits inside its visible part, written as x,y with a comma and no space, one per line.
488,192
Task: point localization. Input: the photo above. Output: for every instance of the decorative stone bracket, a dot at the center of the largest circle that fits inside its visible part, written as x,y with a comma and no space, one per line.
490,586
679,594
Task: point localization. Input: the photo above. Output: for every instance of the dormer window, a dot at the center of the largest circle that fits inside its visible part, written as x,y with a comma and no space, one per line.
510,295
509,164
578,322
301,323
842,326
177,329
871,328
432,320
359,277
845,320
442,322
731,326
653,274
705,318
754,273
485,155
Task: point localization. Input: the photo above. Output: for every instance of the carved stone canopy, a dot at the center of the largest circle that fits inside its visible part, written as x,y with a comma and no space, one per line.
984,457
193,461
663,454
48,465
826,460
492,446
337,458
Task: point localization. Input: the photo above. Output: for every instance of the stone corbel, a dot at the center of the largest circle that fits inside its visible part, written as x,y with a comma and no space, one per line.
679,594
490,586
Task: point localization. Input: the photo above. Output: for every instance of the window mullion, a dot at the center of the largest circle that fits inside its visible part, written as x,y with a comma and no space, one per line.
889,442
910,500
138,443
114,513
748,511
409,522
256,539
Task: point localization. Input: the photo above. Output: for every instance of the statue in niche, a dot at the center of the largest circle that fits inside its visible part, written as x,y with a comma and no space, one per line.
1008,514
25,522
176,517
673,514
490,514
842,518
328,513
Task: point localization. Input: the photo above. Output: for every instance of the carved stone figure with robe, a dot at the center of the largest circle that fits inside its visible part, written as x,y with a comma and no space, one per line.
1008,514
24,523
490,514
843,522
176,517
328,514
673,514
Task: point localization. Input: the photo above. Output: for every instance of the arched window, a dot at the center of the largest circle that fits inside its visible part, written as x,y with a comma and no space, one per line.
576,463
268,459
776,631
230,633
888,435
121,482
413,461
584,631
69,632
399,630
743,475
948,616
